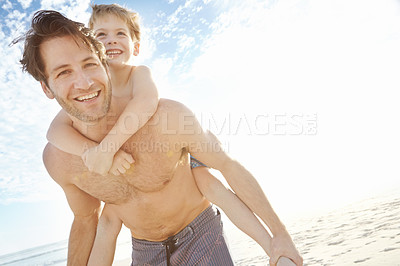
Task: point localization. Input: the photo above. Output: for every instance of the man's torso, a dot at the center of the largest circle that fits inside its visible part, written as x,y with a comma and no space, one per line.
157,196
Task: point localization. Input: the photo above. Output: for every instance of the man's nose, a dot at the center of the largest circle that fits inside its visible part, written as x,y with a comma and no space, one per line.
82,81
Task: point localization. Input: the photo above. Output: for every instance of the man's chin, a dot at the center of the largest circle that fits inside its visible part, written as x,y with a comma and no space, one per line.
85,116
90,118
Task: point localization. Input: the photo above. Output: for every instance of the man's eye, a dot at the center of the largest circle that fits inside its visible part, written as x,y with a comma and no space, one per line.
62,73
91,65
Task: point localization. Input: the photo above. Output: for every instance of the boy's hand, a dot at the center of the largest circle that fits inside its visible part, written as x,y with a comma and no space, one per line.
283,246
122,162
98,161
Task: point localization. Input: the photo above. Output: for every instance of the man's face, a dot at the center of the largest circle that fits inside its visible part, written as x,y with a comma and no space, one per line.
76,78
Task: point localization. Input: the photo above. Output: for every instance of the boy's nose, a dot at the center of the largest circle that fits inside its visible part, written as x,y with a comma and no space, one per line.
111,41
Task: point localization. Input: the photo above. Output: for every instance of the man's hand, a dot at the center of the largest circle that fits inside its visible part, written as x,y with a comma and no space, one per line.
283,246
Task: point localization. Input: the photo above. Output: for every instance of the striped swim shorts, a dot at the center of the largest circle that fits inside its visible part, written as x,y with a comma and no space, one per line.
200,243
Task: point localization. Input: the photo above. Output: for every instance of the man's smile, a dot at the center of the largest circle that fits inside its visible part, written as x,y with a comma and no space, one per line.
88,97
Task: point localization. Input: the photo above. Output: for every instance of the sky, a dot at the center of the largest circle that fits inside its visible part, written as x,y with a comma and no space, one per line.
301,92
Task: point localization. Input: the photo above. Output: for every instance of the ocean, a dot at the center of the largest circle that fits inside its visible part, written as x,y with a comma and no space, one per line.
51,254
363,233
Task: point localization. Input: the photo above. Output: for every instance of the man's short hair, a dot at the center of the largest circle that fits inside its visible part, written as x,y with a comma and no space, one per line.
48,24
129,17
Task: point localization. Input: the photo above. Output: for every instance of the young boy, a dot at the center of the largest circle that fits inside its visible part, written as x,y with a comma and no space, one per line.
118,29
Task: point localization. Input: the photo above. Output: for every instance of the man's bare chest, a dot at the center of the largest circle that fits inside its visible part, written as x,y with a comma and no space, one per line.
151,172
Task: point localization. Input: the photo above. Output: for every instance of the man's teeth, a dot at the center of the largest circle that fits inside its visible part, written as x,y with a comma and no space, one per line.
88,97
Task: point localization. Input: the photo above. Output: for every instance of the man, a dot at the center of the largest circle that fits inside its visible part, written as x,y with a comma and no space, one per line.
157,199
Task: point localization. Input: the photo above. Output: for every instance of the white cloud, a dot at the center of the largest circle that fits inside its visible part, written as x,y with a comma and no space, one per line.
189,3
75,10
25,3
52,4
14,22
161,14
7,5
185,42
179,20
174,19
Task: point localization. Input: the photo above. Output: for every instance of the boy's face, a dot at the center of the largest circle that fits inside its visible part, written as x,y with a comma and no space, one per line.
76,78
114,34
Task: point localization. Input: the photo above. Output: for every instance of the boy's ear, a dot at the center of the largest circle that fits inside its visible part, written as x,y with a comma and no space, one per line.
136,49
46,90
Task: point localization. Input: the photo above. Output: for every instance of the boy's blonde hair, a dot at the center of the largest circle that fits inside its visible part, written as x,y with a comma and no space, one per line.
131,18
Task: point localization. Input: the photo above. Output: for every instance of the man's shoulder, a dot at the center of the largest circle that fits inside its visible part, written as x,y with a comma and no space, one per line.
172,114
176,119
56,163
50,153
171,106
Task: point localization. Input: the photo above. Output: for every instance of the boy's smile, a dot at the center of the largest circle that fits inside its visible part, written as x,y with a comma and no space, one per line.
113,32
112,53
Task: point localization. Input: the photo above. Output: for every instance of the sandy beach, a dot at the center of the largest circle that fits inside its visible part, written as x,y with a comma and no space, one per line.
363,233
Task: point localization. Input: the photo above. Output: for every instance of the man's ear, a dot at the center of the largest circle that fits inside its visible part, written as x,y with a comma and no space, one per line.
136,49
46,90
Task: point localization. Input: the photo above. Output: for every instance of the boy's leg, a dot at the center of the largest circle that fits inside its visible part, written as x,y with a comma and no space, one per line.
209,185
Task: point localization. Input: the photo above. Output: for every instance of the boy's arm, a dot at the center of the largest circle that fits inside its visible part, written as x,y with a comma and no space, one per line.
63,136
138,111
86,208
106,238
108,157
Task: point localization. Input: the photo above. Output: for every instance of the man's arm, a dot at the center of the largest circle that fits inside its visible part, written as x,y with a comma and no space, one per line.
86,209
205,147
106,238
